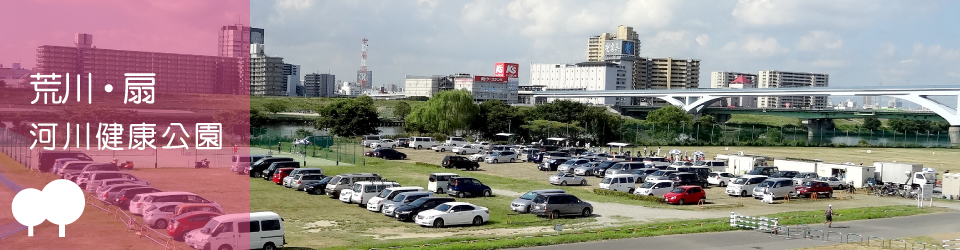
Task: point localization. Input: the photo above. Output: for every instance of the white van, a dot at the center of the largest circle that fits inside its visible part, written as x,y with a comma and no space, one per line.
438,181
374,203
345,181
423,142
260,230
165,198
619,182
779,187
368,139
364,190
90,182
457,141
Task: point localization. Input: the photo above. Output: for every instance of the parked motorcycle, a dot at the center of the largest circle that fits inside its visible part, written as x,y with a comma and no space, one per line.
202,164
128,165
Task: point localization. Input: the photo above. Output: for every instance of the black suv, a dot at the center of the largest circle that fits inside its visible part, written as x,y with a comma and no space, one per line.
687,179
390,154
551,165
256,168
458,162
409,211
268,173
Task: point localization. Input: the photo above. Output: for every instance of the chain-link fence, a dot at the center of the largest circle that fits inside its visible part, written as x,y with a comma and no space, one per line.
339,149
16,146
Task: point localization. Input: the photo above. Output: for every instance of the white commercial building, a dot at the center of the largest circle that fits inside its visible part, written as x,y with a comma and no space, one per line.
734,80
783,79
489,88
584,76
349,89
421,86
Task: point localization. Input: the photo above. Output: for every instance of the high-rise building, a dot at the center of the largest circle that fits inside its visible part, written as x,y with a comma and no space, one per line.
394,88
783,79
667,73
179,73
234,41
369,78
256,36
292,74
583,76
722,79
266,74
596,44
319,85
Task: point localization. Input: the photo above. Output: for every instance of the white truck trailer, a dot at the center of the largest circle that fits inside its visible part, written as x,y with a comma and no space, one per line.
904,174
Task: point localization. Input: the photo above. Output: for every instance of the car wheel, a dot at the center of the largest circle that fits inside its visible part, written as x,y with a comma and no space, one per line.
269,246
462,195
182,236
438,223
586,212
443,150
225,247
840,187
439,190
477,221
419,147
583,183
512,160
743,193
630,191
829,195
680,201
160,224
563,183
703,200
555,214
486,193
393,146
495,161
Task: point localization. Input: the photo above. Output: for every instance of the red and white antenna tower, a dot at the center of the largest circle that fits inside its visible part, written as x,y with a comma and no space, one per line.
362,78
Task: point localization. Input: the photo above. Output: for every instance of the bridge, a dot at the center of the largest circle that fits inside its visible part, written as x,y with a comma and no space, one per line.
720,112
697,101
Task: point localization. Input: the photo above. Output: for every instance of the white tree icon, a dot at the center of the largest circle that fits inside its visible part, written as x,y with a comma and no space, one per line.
28,208
67,199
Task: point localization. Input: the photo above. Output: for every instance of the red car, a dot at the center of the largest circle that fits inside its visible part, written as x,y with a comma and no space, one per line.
280,173
818,188
181,224
685,195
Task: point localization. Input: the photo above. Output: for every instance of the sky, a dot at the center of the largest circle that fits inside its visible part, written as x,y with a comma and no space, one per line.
173,26
858,43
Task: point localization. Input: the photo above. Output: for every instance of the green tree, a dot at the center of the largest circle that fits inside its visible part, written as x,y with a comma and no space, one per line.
669,115
3,84
542,129
705,121
418,98
495,117
275,106
871,123
910,126
560,110
302,133
257,119
401,110
349,117
447,112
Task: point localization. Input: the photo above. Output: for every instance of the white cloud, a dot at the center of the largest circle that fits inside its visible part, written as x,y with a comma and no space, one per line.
703,39
764,47
830,63
298,5
821,13
819,40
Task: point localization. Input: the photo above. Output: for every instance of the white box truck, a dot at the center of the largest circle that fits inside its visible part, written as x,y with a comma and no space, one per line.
799,165
904,174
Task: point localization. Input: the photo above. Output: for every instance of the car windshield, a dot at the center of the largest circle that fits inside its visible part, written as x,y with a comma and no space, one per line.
661,173
606,180
334,180
399,197
209,226
713,175
616,167
384,193
561,174
808,184
605,164
419,202
765,184
648,185
572,162
529,196
443,207
740,181
677,190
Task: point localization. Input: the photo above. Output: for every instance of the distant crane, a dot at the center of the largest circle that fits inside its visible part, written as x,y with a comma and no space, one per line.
362,77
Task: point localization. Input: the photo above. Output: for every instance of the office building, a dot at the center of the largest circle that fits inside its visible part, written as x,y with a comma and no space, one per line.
734,80
421,85
319,85
15,76
235,41
256,36
349,89
175,73
783,79
583,76
266,73
485,88
596,45
292,74
667,73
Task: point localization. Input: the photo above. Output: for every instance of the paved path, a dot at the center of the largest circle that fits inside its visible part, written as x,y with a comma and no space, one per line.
887,228
12,228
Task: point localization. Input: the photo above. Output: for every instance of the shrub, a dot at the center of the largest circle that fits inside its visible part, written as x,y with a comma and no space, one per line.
427,164
628,195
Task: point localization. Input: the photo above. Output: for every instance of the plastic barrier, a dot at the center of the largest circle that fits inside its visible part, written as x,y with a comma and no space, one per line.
755,223
875,237
950,244
858,236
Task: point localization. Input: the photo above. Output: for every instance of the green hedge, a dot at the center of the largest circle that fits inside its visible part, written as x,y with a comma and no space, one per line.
427,164
628,195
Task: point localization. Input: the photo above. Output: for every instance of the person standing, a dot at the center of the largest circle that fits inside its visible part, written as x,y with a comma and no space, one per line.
829,215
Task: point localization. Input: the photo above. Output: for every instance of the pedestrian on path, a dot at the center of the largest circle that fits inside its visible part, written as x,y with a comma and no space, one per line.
829,215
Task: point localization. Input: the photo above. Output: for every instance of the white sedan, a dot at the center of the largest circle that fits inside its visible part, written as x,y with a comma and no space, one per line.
159,217
467,149
478,157
834,182
719,178
385,143
345,195
443,147
453,213
501,156
655,188
564,179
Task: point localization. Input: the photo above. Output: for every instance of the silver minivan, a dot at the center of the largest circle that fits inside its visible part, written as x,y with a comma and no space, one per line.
345,181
